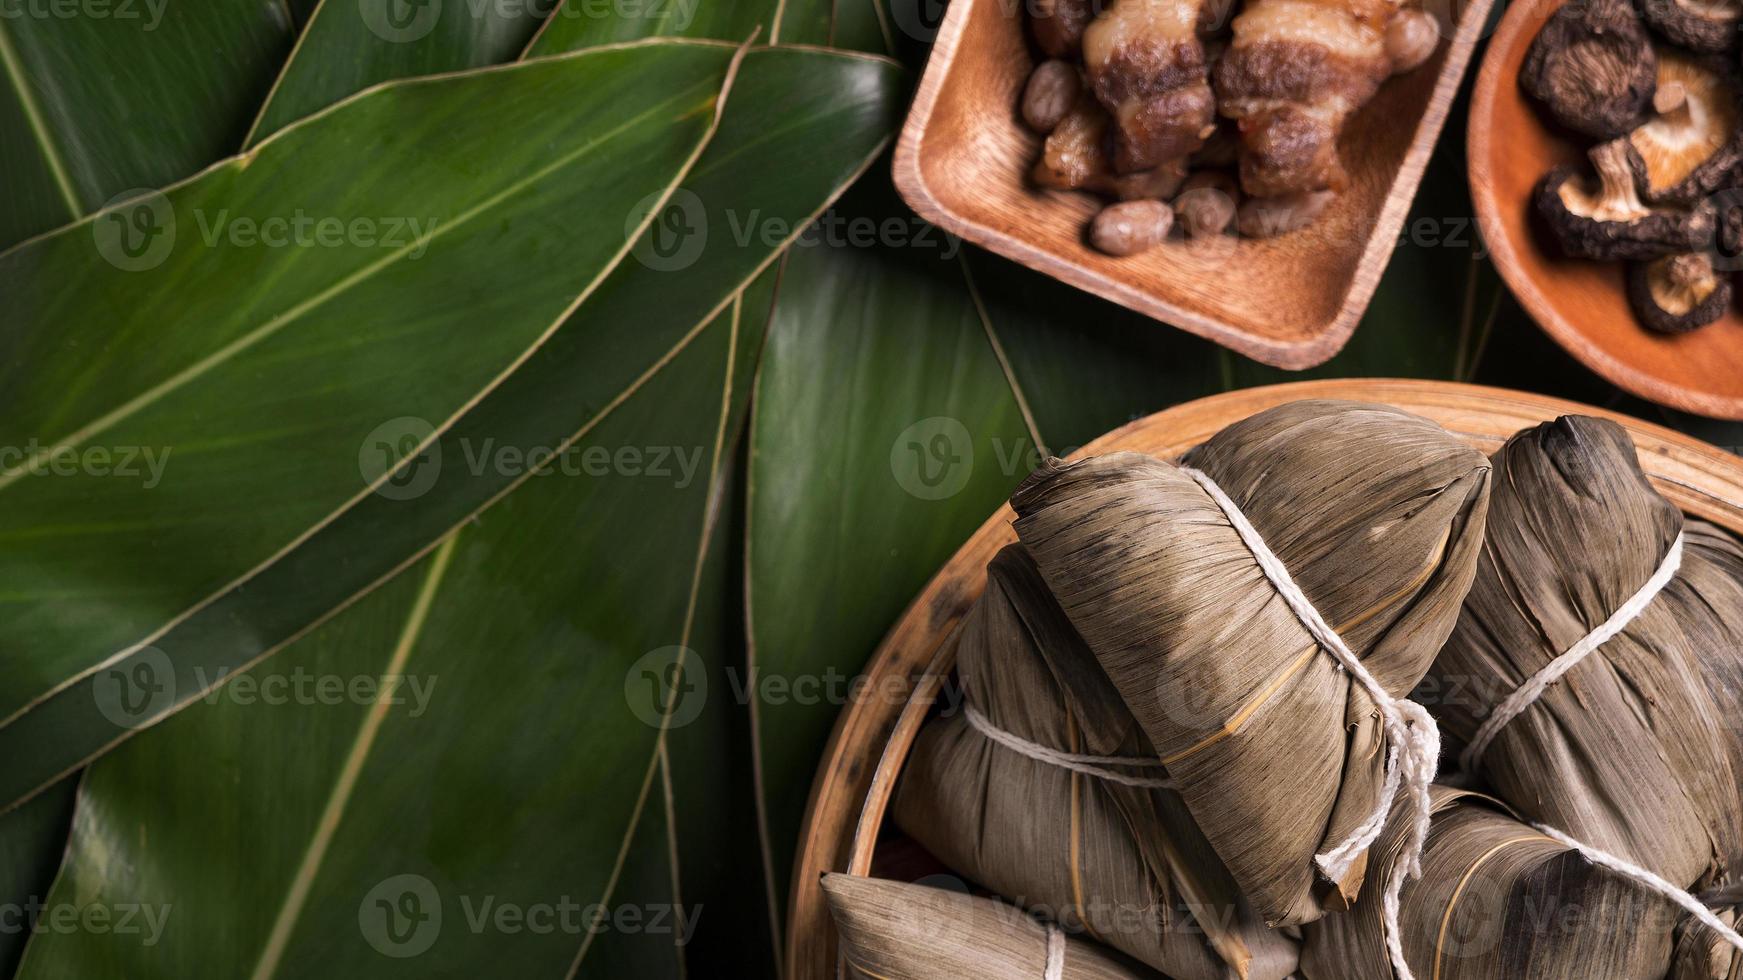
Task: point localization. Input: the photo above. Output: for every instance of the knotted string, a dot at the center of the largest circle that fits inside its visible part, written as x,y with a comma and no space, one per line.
1089,765
1413,739
1527,693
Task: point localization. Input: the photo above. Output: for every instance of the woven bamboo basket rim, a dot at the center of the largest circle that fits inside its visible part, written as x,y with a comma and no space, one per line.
873,736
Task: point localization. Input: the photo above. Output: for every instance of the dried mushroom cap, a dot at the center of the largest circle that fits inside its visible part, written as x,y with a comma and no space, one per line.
1605,218
1700,25
1692,148
1593,67
1678,293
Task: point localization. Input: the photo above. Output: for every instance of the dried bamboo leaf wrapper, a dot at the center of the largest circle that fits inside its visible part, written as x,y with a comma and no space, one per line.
1120,864
1376,513
1700,954
1498,900
1628,752
1713,571
893,930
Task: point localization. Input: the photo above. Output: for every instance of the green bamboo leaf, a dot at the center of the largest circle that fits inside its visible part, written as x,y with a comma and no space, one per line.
350,45
472,828
799,126
287,366
97,100
884,430
585,23
32,838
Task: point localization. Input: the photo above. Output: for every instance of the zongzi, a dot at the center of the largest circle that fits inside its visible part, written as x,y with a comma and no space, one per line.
1497,900
1575,677
892,930
1041,787
1286,748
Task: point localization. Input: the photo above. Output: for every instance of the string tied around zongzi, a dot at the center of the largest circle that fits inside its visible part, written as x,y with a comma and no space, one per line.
1525,694
1413,752
1090,765
1648,880
1055,952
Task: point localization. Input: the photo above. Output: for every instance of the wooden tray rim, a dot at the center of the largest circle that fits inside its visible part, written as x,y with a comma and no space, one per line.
1701,479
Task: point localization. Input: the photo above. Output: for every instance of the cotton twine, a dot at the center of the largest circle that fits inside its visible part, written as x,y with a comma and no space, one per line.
1055,953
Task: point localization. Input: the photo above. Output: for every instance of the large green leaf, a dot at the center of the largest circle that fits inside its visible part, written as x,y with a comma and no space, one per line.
31,840
800,125
582,24
272,375
523,777
95,101
349,45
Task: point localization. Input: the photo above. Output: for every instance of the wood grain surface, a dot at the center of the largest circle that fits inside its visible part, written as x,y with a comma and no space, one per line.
873,735
1581,304
1292,301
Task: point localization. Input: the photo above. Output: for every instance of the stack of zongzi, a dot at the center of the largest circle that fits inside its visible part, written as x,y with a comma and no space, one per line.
1281,755
1184,720
1098,848
1625,747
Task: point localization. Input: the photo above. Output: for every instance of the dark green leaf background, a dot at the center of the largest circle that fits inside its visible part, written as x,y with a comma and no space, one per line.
628,676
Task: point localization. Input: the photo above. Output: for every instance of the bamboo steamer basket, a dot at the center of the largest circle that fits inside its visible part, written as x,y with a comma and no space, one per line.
844,823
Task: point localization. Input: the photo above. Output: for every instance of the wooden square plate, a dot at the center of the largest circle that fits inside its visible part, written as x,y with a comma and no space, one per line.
1292,302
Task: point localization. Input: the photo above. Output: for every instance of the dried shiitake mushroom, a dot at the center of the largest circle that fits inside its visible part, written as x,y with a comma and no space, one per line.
1677,293
1708,26
1593,67
1605,218
1693,145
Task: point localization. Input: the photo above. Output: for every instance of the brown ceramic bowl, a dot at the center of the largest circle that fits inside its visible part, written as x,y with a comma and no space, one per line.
1292,301
1583,305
